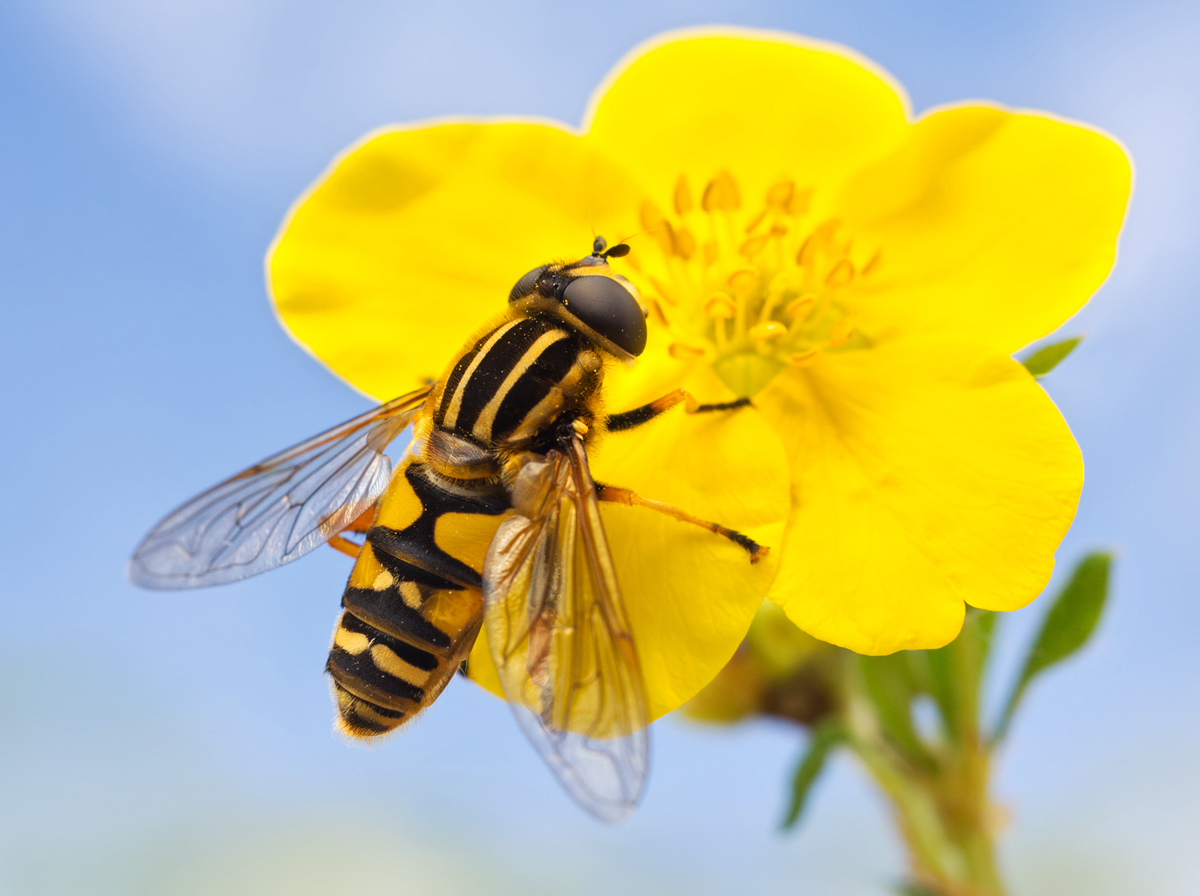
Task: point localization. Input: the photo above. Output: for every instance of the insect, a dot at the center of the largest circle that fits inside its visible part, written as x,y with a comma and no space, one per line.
489,522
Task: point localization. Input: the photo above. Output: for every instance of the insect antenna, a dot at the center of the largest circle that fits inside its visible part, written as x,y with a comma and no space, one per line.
600,249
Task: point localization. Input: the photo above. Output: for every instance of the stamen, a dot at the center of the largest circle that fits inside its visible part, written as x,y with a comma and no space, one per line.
780,194
799,202
873,263
685,244
842,273
807,252
662,291
721,193
719,306
752,247
681,352
759,288
656,312
755,221
804,359
840,332
656,224
768,330
683,196
801,308
743,281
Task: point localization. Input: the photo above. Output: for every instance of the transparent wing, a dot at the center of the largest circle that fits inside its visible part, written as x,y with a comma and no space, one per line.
277,510
560,639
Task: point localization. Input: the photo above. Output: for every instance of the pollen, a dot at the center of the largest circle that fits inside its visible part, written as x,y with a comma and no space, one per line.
753,284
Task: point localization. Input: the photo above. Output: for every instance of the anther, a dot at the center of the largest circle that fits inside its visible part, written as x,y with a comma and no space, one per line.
685,243
780,194
842,273
804,359
800,308
656,223
807,251
662,290
719,306
755,221
656,312
743,281
769,329
683,196
873,263
840,333
799,202
721,193
681,352
751,248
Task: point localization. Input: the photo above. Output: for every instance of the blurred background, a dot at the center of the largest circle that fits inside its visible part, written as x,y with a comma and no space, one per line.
181,743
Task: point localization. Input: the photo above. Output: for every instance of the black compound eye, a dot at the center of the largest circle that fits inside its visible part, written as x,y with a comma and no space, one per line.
526,284
608,308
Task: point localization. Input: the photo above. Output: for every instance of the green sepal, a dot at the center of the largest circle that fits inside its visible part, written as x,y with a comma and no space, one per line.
891,684
823,740
952,674
1047,358
1068,625
912,888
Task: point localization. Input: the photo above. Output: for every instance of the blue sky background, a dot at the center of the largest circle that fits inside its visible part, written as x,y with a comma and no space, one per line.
181,743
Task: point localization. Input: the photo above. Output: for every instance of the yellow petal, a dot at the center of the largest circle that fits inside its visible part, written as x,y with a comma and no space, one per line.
993,225
414,237
925,473
762,105
690,594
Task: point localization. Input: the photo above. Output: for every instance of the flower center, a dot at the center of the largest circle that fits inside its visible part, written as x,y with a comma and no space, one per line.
750,290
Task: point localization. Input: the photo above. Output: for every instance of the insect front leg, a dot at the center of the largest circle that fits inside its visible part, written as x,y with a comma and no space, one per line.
647,412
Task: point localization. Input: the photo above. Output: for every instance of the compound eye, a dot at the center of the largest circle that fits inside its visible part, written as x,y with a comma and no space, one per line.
526,284
608,308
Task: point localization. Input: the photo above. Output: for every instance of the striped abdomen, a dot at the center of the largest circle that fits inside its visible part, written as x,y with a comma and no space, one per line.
413,604
514,379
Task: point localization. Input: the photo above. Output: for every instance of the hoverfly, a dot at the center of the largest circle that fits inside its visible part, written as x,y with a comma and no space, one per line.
490,520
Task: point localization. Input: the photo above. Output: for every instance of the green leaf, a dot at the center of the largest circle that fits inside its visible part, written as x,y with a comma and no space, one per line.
824,739
1068,625
1046,359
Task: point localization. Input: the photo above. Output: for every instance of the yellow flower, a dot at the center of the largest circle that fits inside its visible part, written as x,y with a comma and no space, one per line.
800,239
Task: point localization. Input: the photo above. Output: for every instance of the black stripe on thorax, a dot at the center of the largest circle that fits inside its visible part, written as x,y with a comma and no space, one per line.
487,378
456,375
547,371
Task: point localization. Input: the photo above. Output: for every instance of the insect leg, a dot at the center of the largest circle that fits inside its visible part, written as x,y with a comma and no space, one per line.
631,498
362,524
647,412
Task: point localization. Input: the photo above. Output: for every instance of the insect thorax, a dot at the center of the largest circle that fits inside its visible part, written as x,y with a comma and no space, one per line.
510,383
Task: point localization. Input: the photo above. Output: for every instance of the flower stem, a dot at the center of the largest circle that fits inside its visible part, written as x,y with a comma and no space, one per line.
938,787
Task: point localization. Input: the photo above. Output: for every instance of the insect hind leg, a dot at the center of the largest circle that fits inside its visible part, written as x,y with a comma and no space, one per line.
348,546
630,498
